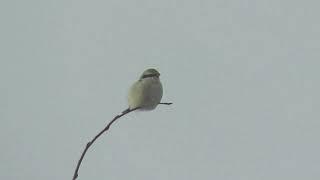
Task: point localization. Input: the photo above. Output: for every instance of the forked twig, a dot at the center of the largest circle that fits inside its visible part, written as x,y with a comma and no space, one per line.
75,175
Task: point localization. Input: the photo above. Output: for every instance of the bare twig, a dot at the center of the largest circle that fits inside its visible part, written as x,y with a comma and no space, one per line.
75,175
166,103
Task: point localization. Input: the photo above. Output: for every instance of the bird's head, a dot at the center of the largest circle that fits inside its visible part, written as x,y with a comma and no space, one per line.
150,73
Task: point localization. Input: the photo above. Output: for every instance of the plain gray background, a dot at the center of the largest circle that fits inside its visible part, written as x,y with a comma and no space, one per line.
243,77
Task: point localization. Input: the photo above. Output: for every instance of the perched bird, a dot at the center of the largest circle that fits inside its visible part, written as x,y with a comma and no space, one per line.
146,93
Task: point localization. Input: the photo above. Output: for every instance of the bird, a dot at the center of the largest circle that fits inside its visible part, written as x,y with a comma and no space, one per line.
146,93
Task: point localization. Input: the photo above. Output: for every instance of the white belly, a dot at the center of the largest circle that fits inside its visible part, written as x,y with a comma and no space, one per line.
145,93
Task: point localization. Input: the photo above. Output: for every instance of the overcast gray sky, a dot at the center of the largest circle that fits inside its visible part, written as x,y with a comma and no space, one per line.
243,77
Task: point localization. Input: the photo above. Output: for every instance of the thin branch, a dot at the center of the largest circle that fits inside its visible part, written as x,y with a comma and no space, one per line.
75,175
166,103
